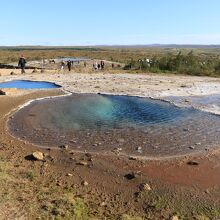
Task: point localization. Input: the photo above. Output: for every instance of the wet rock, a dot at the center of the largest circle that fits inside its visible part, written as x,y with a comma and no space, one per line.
38,155
193,163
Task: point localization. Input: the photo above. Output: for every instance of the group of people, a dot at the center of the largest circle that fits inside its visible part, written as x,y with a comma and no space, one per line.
96,66
99,66
69,64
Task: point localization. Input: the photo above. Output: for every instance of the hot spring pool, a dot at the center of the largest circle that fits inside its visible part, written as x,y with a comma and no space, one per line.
27,84
138,126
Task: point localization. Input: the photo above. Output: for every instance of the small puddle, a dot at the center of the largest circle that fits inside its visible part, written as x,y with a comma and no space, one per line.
27,84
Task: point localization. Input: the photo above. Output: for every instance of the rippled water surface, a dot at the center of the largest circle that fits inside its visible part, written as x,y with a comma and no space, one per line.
26,84
138,126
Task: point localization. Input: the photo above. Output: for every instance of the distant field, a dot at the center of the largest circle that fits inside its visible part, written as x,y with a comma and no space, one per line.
193,60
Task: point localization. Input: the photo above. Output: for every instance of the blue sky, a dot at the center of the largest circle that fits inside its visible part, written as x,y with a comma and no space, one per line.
98,22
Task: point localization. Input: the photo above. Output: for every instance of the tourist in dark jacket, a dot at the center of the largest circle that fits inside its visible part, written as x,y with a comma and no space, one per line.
69,64
21,63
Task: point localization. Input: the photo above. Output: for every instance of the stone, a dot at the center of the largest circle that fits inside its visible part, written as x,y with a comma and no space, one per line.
145,187
193,163
175,217
73,141
38,155
69,174
121,140
84,183
191,147
65,147
132,158
103,204
118,149
82,163
130,176
2,92
9,91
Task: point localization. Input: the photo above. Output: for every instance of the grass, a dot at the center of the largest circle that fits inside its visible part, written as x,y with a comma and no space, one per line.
30,175
167,60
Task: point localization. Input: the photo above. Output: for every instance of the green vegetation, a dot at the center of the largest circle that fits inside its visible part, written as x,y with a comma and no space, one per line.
180,63
30,175
193,61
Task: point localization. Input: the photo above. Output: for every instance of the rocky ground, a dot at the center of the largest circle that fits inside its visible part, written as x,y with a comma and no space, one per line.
58,183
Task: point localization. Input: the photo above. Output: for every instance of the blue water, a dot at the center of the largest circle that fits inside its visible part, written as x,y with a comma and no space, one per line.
26,84
91,111
159,128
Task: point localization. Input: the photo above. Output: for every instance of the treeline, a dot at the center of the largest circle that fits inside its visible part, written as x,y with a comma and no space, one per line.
181,63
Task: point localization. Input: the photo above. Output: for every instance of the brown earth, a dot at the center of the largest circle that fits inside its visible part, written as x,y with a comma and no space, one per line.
74,185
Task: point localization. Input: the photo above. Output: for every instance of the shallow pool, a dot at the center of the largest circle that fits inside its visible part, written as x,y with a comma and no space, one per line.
137,126
27,84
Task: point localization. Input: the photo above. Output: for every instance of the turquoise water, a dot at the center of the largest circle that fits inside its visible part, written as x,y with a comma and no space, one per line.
26,84
99,122
82,112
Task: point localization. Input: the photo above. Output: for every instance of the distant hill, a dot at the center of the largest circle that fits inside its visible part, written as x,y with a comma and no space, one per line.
98,47
165,46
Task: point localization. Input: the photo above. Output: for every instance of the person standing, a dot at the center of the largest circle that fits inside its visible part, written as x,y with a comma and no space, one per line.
102,65
22,63
69,64
62,65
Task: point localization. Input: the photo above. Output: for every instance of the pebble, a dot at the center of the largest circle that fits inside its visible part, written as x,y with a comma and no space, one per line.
38,155
193,163
175,217
192,147
132,158
84,183
72,141
121,140
145,187
64,147
82,163
130,176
